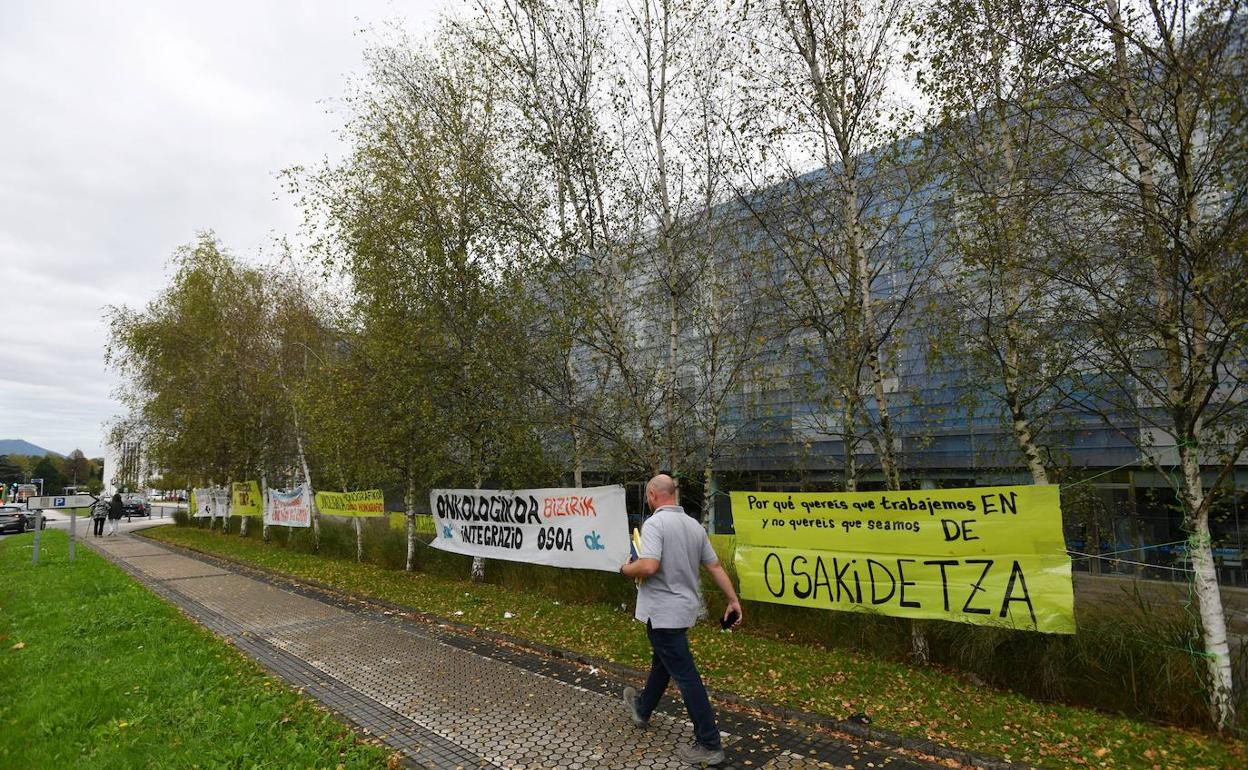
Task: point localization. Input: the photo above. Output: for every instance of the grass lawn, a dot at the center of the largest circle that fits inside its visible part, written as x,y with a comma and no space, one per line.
97,672
925,702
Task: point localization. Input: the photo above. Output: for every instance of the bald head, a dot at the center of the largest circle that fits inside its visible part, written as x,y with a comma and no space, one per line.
660,491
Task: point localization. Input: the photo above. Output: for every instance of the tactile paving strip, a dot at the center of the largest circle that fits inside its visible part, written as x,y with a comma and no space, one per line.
125,548
506,715
252,604
170,566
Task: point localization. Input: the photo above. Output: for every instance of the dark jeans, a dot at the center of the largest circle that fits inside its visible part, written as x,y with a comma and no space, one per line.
672,659
99,527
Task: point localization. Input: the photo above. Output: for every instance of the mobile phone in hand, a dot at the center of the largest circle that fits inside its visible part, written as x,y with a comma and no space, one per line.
727,623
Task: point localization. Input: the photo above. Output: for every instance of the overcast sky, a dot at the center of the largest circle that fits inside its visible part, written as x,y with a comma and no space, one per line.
127,127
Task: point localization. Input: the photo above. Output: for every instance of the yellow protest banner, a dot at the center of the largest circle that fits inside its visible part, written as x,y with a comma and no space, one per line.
989,556
368,502
245,499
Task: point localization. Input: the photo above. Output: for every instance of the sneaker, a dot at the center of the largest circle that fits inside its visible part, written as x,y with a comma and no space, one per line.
630,705
699,755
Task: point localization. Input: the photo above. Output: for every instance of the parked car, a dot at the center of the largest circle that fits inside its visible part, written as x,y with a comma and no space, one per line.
12,519
135,505
15,518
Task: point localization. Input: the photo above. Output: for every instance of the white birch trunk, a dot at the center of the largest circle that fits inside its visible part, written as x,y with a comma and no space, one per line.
478,562
409,502
264,500
1209,600
1188,426
307,479
849,442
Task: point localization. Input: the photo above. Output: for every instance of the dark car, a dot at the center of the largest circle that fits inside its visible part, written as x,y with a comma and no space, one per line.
135,505
15,518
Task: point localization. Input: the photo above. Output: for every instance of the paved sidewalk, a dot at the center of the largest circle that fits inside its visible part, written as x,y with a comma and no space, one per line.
447,700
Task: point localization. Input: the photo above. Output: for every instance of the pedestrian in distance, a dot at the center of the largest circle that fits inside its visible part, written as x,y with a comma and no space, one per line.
115,510
673,546
99,512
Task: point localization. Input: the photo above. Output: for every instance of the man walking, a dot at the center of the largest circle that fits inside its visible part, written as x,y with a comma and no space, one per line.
672,547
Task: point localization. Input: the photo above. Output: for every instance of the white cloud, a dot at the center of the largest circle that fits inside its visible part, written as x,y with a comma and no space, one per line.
128,127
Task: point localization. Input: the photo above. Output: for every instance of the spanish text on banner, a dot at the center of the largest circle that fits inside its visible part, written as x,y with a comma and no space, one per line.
289,508
367,502
583,528
989,556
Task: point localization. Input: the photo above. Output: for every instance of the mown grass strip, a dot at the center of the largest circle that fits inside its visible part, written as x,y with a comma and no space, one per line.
97,672
919,701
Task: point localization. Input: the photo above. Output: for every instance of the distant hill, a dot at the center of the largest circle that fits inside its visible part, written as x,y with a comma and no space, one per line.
17,446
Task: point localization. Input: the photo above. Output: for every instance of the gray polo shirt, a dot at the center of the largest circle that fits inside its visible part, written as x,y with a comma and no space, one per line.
669,597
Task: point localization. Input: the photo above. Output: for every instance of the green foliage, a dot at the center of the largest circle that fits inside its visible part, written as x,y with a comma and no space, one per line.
10,472
96,672
25,463
430,385
202,382
53,480
77,467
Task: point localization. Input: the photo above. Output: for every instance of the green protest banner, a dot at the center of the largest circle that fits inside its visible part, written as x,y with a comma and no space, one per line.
988,556
245,499
367,502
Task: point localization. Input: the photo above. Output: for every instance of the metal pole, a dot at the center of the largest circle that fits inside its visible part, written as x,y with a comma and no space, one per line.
38,530
73,530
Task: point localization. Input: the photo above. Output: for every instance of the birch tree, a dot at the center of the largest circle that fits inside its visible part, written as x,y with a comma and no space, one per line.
856,261
551,57
629,192
846,49
677,100
413,221
853,263
1159,129
990,70
194,376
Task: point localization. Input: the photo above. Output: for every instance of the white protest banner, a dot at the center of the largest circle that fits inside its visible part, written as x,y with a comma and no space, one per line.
210,502
221,503
201,503
577,528
289,508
